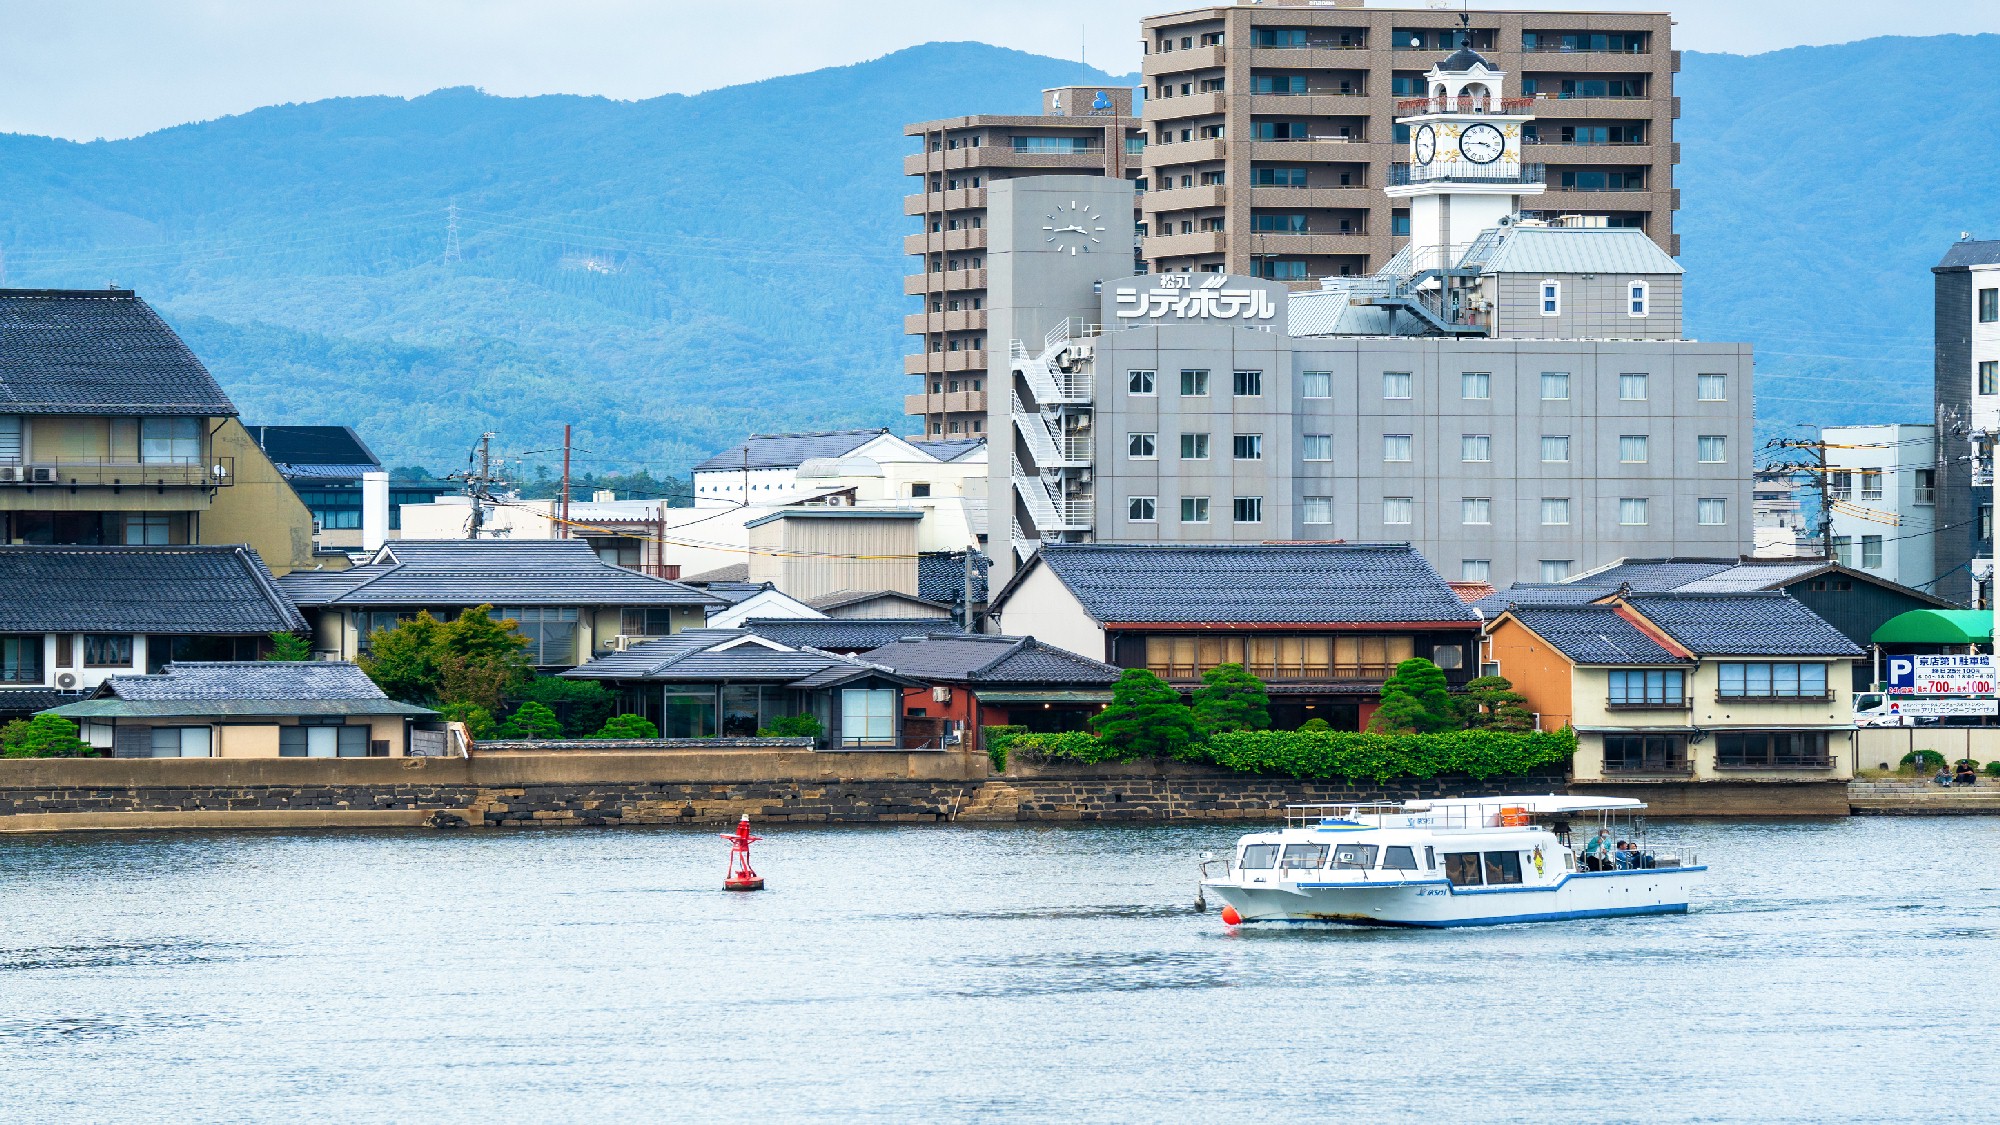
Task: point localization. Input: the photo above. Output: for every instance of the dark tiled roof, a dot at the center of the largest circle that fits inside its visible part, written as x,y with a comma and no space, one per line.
97,351
941,576
843,634
323,451
1317,583
788,451
1463,59
1746,624
1543,593
247,679
700,656
983,659
27,701
499,572
735,592
951,450
1655,576
1967,252
842,599
734,572
207,591
1595,634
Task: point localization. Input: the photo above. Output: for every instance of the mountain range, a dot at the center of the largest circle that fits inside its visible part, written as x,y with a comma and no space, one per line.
672,273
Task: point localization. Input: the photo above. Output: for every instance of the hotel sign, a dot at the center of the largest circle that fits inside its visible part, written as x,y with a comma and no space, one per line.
1175,296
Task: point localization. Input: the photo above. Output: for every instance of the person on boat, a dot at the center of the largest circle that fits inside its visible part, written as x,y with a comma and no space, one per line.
1597,854
1626,857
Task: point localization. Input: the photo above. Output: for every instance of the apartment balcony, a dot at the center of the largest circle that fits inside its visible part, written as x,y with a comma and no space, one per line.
98,472
1557,152
1210,104
1160,63
1463,172
1613,108
1300,243
1185,199
943,281
934,363
960,320
1159,154
950,402
955,199
1320,57
1330,103
1342,150
1184,245
1355,198
1557,200
1003,156
924,242
1412,107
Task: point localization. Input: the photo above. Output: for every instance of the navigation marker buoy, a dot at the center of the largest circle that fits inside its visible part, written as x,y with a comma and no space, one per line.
741,877
1230,917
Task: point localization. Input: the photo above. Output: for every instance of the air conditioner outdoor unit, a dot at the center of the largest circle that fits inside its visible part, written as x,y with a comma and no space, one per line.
66,680
42,474
12,473
941,694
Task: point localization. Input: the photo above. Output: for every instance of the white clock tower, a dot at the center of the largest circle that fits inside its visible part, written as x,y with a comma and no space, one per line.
1465,173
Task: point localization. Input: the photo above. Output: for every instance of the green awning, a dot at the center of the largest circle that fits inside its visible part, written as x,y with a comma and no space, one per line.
1045,697
1938,627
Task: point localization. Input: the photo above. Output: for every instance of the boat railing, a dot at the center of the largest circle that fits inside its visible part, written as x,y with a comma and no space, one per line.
1394,814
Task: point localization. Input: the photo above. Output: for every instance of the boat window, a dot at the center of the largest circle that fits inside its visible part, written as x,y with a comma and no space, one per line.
1399,859
1260,857
1430,860
1354,856
1503,867
1462,868
1304,857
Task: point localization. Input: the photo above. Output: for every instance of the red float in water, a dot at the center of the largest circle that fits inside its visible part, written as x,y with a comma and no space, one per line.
741,876
1230,917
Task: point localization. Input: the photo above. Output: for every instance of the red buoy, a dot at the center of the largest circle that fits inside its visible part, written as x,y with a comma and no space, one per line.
741,876
1230,917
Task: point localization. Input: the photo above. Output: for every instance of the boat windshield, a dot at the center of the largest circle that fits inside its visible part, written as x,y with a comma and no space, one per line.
1260,857
1300,857
1351,857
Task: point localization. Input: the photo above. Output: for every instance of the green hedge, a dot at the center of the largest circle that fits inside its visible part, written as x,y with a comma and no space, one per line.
1325,754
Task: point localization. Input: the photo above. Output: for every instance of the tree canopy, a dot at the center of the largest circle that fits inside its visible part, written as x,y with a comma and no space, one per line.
1415,701
1145,718
1230,698
469,659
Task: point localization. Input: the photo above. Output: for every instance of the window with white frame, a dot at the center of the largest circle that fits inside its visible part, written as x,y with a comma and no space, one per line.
1317,510
1632,387
1711,388
1632,511
868,716
185,742
1247,384
170,440
1475,447
1871,552
1711,511
1555,386
1247,509
1398,509
1555,511
1555,447
1475,385
1141,382
1632,449
1476,510
1194,509
1552,298
1395,384
1475,570
1871,484
1142,509
1636,299
1318,447
1247,447
1316,384
1556,570
1142,447
1711,449
1194,447
1396,447
1194,382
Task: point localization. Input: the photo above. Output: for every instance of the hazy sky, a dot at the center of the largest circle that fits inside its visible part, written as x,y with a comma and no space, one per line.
115,68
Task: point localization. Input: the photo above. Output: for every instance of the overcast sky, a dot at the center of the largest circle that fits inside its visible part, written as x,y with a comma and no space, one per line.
116,68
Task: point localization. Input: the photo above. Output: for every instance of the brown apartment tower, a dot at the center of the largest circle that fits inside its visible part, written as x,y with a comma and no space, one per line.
1082,131
1270,127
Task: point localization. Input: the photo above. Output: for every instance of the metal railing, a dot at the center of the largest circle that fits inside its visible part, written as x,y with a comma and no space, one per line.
1403,175
1468,103
102,472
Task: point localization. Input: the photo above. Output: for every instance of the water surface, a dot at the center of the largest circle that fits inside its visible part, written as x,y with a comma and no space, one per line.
1831,971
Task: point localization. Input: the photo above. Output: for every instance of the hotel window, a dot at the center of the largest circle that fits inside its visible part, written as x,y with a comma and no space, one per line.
1871,552
1142,447
1556,570
1317,510
1632,511
1632,449
1194,509
1194,383
1555,386
1247,509
1397,509
1871,484
1475,570
1555,448
1632,388
1989,377
1318,447
1475,447
1840,485
1317,384
1139,382
1772,681
1248,384
1650,688
1395,384
1985,524
868,716
1555,511
1636,299
1711,388
1247,447
107,650
1142,509
1551,298
1478,385
170,439
1711,512
1711,449
1476,510
1395,447
1989,306
1194,447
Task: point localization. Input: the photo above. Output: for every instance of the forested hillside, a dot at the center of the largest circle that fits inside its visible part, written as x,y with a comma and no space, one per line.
670,273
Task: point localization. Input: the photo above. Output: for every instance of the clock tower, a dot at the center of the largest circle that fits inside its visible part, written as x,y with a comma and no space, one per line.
1465,173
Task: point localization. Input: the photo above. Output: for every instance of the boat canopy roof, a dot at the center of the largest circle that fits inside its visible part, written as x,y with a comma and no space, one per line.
1545,804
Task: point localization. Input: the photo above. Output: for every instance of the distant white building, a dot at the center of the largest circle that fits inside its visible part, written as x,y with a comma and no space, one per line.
1882,489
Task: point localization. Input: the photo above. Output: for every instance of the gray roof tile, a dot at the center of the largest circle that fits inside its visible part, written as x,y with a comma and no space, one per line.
976,658
941,576
788,451
1743,624
1315,583
700,656
97,351
498,572
843,634
195,590
1595,634
247,679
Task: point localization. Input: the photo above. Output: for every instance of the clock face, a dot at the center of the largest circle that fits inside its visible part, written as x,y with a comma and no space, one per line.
1424,145
1482,143
1073,228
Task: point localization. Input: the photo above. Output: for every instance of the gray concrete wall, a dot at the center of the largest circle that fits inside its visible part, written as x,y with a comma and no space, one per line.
1590,307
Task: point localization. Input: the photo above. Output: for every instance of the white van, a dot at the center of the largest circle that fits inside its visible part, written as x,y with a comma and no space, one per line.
1876,710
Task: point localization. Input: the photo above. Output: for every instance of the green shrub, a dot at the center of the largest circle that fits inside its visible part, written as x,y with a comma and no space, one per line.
1993,769
1335,754
793,726
1073,746
1145,719
1230,698
1491,703
1315,724
533,720
44,736
582,706
997,740
1415,701
289,648
627,726
478,720
1925,761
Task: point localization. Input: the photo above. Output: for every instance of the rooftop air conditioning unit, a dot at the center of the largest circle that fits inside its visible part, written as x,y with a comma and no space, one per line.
42,474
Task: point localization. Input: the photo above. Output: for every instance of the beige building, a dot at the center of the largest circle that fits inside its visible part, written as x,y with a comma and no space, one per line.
1083,131
1271,128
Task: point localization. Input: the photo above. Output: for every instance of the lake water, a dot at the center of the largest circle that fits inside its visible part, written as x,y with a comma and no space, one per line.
1831,971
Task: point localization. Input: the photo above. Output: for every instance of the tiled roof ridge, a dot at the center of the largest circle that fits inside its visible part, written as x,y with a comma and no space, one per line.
1023,644
109,292
268,583
821,433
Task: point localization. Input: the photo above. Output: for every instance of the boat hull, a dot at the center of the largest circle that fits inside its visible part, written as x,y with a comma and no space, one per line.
1436,903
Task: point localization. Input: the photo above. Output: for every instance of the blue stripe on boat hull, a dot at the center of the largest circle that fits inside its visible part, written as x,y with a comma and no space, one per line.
1508,920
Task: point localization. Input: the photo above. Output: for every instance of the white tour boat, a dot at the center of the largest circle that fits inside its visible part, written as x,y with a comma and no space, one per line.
1475,861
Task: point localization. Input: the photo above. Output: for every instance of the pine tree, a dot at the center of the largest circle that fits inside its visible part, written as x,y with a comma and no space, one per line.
1491,703
289,648
628,726
1414,701
1146,717
44,736
1230,698
533,720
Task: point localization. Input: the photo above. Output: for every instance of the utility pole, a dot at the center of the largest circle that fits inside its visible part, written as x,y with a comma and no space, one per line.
1816,466
564,532
479,483
965,619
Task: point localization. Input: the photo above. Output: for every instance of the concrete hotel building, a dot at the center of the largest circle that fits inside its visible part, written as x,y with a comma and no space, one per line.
1272,128
1084,130
1967,390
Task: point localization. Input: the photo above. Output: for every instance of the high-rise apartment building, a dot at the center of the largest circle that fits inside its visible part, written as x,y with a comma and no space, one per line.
1967,400
1083,131
1272,128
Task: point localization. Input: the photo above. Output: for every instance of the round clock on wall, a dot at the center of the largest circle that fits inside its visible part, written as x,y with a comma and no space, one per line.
1073,228
1424,145
1481,143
